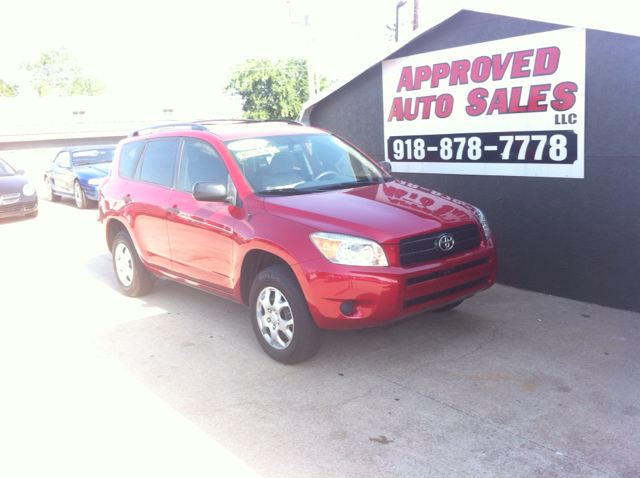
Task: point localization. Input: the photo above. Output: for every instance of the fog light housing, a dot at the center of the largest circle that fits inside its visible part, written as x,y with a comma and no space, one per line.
348,307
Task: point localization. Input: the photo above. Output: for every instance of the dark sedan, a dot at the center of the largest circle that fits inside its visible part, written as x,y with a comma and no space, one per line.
17,196
77,173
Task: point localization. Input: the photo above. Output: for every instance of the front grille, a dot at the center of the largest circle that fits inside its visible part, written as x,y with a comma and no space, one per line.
9,198
444,293
424,248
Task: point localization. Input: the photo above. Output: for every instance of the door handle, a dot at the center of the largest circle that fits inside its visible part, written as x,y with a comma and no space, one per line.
174,210
127,199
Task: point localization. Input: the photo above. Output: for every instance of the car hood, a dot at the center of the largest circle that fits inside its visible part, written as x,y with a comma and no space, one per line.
93,170
12,184
385,213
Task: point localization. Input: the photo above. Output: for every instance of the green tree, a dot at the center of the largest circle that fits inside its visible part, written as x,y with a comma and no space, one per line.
57,73
272,91
8,90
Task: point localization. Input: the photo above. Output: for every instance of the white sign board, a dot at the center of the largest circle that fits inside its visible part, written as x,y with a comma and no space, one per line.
512,107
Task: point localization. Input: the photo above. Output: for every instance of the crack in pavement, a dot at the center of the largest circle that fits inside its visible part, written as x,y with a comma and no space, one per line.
493,425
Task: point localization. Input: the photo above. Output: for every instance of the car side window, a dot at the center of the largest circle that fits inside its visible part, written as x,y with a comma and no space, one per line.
63,160
128,156
158,162
200,162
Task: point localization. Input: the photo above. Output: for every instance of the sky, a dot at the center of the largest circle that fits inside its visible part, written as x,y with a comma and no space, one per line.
186,48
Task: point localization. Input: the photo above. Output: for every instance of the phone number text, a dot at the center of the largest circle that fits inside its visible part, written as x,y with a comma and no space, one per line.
549,147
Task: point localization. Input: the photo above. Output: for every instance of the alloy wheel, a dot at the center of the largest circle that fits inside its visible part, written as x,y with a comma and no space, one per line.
124,264
275,318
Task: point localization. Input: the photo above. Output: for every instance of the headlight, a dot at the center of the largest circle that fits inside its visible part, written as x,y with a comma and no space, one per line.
96,181
28,190
483,222
349,250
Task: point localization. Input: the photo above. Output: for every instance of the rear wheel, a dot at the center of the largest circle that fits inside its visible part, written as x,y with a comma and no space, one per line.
133,277
281,319
48,187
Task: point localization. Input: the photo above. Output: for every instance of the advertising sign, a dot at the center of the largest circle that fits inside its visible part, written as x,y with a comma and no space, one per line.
512,107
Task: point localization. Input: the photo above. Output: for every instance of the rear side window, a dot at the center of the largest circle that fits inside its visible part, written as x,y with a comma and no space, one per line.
128,156
158,162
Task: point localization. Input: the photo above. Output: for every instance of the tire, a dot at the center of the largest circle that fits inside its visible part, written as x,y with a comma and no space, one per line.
78,195
133,277
281,319
50,195
453,305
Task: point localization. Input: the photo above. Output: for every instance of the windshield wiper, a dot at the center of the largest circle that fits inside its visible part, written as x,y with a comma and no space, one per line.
347,185
284,192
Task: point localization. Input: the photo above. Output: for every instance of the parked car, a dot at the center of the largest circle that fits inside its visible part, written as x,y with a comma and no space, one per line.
18,197
292,221
77,173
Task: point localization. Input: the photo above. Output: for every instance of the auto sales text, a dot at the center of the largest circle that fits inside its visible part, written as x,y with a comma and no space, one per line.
533,63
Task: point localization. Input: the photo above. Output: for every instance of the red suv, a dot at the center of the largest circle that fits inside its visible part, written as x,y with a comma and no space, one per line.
293,222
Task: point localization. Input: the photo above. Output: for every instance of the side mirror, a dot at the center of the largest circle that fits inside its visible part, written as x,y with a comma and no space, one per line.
209,191
386,165
21,172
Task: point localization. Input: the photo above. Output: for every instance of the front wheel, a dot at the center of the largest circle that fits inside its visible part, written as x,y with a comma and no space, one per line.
78,195
281,319
133,277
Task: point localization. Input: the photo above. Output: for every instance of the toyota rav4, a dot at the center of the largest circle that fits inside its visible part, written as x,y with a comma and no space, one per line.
292,221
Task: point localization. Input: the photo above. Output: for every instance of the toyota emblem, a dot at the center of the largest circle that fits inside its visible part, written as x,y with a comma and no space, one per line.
445,243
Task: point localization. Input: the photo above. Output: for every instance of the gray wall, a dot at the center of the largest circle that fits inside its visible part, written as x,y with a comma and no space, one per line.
576,238
58,143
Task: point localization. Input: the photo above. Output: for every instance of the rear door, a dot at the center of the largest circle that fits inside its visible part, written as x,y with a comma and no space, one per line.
146,197
201,233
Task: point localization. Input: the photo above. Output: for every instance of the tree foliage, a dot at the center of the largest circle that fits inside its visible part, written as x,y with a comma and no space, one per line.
272,91
57,73
8,90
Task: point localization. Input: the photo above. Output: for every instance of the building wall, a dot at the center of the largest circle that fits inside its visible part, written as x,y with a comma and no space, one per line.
576,238
58,143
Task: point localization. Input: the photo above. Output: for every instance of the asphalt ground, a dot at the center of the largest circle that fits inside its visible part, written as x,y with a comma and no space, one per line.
94,384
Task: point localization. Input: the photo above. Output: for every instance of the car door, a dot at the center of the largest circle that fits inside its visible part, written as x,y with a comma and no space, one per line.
61,175
146,197
201,234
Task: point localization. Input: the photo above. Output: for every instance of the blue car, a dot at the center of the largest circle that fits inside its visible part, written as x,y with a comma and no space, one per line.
78,172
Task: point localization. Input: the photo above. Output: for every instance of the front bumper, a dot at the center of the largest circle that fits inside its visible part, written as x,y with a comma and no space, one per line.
382,295
20,208
91,192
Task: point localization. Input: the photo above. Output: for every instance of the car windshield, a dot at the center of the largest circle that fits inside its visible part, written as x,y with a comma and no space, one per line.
303,164
92,156
5,169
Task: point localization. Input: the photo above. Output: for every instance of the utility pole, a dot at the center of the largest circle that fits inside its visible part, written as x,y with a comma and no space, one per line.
416,6
296,11
401,3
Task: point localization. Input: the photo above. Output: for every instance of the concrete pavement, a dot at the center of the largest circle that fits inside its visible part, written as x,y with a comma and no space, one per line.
510,384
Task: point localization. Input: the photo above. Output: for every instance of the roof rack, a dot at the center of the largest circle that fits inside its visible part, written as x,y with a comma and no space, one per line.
225,121
288,121
199,125
245,120
152,129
